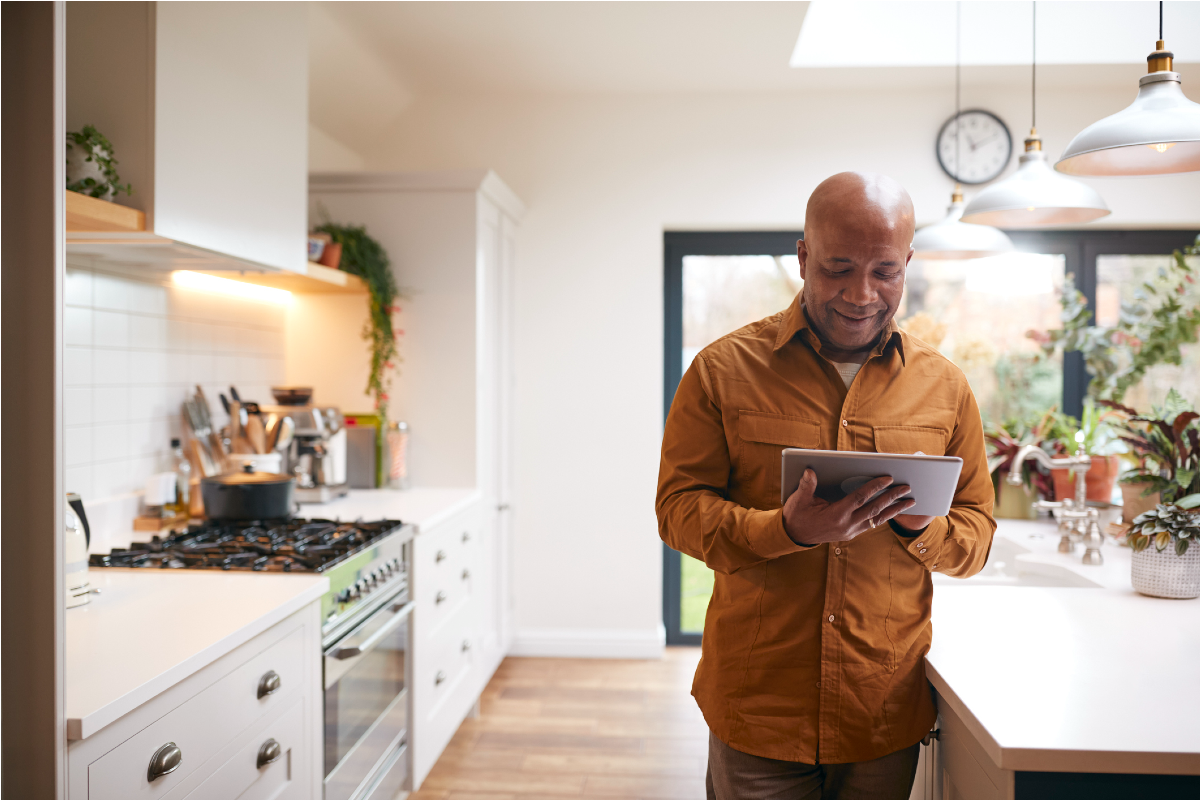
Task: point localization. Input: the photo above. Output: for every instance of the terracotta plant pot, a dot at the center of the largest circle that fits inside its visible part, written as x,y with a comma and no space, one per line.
1133,503
1101,477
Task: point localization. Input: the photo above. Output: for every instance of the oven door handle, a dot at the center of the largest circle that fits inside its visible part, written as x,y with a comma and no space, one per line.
368,644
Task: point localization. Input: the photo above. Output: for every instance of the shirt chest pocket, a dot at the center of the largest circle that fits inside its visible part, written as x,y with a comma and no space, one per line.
910,439
762,437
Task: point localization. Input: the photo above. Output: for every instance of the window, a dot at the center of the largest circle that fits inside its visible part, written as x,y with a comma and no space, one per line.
977,311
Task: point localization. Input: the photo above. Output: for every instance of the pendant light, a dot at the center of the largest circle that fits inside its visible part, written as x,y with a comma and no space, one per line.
1035,195
1158,135
949,238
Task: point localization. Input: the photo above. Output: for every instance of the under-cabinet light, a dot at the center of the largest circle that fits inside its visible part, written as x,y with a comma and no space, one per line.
211,283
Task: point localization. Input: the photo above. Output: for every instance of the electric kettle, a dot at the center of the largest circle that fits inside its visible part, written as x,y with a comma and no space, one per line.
78,538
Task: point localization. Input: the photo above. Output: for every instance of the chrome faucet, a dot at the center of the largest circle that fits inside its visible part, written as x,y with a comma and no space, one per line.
1073,515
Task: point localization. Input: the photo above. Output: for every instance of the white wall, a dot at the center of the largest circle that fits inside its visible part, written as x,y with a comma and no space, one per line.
603,177
135,349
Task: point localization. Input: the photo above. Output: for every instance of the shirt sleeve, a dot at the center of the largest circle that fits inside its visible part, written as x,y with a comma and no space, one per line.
958,543
694,515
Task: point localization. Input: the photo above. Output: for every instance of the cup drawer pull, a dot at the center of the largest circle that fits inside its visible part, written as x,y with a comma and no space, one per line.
165,760
269,753
269,683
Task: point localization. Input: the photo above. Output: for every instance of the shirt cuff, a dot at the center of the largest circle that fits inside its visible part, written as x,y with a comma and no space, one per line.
768,538
925,545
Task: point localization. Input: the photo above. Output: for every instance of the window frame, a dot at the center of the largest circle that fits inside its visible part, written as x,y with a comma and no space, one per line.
1080,249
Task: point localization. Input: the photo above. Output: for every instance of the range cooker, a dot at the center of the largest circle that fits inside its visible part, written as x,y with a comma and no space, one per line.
365,626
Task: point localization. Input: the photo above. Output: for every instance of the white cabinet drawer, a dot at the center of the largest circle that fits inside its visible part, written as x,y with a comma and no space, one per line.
200,727
242,778
452,654
445,562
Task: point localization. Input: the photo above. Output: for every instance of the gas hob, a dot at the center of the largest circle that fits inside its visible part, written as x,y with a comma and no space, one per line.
366,562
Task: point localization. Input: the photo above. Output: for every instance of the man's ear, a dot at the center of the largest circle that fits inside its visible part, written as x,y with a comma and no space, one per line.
802,257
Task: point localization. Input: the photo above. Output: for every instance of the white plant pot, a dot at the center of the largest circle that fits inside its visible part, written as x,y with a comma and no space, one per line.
79,168
1166,574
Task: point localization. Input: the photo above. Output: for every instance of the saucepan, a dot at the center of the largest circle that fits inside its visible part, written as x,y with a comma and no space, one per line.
248,495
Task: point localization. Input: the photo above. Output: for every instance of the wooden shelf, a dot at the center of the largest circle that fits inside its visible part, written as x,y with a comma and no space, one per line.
90,214
318,280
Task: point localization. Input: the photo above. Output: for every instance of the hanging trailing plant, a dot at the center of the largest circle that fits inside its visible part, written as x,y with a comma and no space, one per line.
366,258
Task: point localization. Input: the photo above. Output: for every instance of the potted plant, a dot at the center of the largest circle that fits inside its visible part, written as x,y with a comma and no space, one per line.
1167,442
1165,446
1099,439
363,256
1163,563
91,168
1003,442
1151,328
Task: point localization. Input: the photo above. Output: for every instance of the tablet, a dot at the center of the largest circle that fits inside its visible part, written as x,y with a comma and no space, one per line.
839,472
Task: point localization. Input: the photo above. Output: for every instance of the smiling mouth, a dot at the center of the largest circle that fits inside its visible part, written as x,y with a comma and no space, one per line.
853,319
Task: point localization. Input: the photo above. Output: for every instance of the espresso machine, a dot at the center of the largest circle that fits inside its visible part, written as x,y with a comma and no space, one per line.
317,453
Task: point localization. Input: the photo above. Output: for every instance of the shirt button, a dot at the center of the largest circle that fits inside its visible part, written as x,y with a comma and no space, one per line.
837,551
922,551
844,423
831,617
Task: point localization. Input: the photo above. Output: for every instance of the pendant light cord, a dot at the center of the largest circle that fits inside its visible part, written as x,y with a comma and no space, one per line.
1033,94
957,89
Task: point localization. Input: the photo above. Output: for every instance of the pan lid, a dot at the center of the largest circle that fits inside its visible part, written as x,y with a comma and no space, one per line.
247,476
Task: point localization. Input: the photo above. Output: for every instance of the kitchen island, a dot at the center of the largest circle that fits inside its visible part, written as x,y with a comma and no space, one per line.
1053,678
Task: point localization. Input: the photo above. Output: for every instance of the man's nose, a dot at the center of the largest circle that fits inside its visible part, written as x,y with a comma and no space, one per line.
860,292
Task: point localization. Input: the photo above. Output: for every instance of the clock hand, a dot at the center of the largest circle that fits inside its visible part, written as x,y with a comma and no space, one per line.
985,141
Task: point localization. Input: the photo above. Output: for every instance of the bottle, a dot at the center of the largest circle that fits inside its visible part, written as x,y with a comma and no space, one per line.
183,477
397,446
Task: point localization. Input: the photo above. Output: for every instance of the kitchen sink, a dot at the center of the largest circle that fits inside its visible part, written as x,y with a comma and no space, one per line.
1005,568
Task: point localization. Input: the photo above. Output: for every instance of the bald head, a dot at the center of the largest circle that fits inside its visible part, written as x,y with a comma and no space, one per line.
867,203
858,232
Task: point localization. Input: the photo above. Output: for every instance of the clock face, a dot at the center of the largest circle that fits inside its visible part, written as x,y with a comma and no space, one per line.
982,150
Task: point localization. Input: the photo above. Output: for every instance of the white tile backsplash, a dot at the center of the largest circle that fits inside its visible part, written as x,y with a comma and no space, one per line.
134,350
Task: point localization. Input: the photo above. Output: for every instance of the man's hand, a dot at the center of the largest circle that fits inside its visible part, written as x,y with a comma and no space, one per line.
809,520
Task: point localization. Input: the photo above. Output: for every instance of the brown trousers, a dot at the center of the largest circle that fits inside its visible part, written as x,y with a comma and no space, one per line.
734,775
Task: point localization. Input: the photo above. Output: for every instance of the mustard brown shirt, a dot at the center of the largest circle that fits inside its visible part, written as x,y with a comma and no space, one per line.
815,654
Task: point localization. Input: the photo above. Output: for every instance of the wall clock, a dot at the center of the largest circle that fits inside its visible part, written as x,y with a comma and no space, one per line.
984,147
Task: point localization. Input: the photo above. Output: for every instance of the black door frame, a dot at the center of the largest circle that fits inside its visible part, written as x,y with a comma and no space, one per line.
1080,249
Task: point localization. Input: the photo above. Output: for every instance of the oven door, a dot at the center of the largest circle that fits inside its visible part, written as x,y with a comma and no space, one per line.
366,701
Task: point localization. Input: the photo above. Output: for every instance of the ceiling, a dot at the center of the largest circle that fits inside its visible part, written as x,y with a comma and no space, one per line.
368,61
472,47
922,33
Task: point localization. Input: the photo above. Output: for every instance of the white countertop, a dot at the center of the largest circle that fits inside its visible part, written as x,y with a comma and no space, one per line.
149,629
1070,679
422,507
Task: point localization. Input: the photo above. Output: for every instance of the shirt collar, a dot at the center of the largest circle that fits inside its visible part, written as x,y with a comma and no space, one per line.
795,321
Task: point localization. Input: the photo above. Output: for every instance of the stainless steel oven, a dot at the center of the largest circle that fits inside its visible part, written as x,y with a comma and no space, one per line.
366,702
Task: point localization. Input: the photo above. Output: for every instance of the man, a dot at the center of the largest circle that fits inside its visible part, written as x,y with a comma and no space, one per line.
812,673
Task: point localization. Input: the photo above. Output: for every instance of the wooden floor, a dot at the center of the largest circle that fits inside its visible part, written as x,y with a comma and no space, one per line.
555,728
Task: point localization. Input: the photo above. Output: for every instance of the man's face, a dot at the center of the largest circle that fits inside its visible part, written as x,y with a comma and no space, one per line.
853,279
